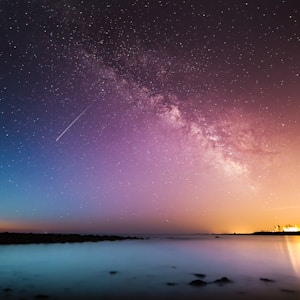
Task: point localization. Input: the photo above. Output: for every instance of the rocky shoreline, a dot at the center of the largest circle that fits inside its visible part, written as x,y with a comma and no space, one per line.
8,238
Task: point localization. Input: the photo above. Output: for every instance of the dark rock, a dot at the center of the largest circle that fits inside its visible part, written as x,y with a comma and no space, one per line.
288,291
198,282
41,296
199,275
113,272
266,279
222,280
171,283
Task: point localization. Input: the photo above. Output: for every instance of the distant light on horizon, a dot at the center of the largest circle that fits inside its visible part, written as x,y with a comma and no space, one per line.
287,228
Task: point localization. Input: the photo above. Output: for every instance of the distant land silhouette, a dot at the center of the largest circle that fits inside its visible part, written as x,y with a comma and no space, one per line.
7,238
277,233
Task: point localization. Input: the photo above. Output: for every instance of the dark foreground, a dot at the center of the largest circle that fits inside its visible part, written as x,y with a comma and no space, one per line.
7,238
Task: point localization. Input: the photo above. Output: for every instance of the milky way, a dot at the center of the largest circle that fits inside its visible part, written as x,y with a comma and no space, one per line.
149,116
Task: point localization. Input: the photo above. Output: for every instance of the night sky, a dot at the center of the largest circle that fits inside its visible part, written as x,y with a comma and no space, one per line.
149,116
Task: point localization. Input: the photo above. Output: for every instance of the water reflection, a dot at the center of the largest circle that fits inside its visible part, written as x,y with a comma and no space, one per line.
293,247
152,268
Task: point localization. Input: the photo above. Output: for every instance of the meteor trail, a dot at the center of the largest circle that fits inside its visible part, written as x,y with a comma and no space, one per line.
72,123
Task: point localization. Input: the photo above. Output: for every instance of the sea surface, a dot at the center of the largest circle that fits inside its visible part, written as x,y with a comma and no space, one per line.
258,267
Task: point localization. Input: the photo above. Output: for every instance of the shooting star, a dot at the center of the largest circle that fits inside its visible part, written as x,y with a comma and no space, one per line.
72,123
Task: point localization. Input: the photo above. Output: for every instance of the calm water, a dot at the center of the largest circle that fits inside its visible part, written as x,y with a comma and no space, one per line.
158,268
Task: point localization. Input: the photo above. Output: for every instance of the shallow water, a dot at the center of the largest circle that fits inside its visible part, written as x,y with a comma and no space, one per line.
158,268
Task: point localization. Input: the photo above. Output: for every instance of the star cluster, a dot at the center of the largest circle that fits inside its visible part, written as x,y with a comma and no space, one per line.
149,116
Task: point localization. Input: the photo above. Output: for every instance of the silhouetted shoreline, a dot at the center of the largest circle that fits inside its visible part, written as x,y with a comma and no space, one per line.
276,233
7,238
